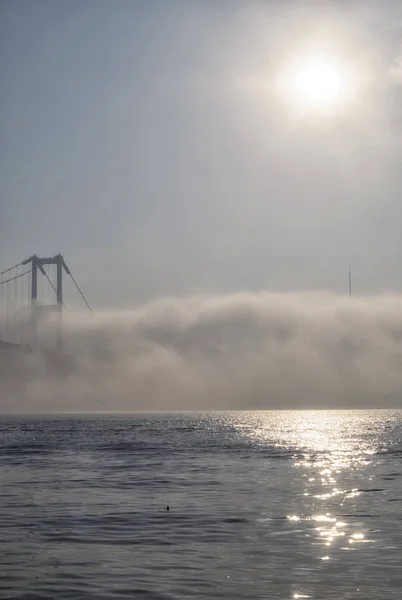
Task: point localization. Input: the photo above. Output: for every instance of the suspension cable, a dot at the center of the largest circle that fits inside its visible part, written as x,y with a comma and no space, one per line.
10,269
78,288
54,289
16,277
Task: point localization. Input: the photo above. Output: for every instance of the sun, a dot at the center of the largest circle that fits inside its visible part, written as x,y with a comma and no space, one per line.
318,82
316,86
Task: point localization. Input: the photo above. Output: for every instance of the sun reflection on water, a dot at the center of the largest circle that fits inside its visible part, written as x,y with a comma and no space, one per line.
330,451
327,439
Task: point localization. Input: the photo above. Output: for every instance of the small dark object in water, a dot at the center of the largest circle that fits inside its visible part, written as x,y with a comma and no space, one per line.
167,508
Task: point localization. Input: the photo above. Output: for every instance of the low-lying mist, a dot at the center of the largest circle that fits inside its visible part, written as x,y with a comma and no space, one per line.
240,351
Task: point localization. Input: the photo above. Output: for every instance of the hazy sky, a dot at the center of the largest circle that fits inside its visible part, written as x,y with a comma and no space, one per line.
146,141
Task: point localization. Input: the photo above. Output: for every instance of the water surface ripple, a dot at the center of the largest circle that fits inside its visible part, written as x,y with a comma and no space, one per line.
262,505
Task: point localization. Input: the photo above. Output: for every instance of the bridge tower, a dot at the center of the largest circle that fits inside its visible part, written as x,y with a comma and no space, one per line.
21,299
39,264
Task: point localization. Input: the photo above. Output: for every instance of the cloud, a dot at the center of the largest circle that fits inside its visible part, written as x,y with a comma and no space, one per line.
306,350
395,71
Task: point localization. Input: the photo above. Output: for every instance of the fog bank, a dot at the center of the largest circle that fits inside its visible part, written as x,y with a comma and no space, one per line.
240,351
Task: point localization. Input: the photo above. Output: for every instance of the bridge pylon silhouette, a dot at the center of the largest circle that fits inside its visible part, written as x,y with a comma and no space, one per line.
27,290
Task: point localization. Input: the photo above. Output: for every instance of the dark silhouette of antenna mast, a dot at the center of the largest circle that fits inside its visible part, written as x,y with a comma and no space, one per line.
350,282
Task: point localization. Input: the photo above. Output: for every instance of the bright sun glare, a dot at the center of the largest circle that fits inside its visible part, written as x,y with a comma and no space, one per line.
316,86
318,82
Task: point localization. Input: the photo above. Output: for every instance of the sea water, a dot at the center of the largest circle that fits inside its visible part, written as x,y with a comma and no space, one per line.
261,505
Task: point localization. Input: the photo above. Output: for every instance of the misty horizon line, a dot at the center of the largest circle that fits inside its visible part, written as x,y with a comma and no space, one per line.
217,411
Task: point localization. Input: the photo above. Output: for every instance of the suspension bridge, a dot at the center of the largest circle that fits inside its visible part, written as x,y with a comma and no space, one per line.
29,292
